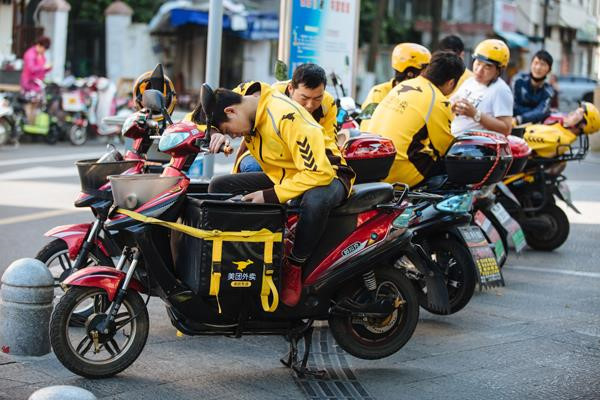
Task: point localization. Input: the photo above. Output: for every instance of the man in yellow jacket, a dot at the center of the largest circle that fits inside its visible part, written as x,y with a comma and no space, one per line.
307,87
416,116
408,61
298,160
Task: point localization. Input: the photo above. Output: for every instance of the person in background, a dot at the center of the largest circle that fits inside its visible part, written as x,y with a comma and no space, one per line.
533,95
485,101
408,61
420,107
455,44
35,69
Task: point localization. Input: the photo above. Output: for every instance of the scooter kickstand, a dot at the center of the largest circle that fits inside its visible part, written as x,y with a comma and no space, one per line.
300,367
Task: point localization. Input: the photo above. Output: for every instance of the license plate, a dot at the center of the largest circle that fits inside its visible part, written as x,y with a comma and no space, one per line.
485,260
514,233
492,234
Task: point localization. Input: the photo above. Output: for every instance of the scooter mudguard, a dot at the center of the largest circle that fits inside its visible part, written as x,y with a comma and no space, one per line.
508,193
106,278
515,236
563,192
73,236
487,268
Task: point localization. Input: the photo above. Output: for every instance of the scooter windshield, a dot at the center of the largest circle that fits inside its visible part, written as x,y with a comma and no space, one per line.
173,139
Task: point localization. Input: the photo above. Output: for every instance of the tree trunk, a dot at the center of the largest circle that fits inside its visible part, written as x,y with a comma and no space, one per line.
376,29
436,20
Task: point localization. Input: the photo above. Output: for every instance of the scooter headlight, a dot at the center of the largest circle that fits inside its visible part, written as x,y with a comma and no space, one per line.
171,140
459,204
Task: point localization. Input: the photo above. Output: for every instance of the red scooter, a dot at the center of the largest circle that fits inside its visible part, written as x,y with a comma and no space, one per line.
215,262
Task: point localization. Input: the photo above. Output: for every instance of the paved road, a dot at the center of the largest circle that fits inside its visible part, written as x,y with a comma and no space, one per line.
537,338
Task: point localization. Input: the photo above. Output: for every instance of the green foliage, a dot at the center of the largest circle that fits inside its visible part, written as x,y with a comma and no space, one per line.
392,29
93,10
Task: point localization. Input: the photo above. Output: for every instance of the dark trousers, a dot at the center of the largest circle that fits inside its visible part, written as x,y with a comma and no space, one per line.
315,205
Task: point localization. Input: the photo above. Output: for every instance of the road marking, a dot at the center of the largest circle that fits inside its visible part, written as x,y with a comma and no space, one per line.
65,157
39,194
38,215
555,271
39,173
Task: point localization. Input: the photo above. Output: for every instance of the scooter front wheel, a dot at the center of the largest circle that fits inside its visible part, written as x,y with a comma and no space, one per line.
89,352
374,338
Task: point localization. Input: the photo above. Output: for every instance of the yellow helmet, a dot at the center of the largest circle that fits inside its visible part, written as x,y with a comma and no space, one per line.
493,50
410,55
591,116
143,82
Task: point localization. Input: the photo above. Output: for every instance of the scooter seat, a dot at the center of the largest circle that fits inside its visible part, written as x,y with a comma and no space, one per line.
436,182
365,196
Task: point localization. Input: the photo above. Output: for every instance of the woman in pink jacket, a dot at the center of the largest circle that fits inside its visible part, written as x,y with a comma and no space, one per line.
34,67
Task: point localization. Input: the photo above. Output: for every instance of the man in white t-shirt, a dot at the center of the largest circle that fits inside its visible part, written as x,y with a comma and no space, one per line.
485,101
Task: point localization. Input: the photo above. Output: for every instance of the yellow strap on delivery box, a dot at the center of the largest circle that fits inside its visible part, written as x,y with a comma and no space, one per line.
218,237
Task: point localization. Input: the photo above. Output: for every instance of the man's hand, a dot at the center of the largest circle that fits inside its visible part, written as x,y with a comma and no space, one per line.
255,197
464,107
216,141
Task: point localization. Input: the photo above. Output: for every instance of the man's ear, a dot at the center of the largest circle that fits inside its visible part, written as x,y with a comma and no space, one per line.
290,87
229,110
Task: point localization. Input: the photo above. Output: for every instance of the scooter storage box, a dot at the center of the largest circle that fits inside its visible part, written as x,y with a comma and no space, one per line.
370,156
520,152
93,174
242,267
131,191
478,159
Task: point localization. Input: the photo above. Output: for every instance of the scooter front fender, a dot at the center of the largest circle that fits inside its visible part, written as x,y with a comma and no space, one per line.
105,278
73,236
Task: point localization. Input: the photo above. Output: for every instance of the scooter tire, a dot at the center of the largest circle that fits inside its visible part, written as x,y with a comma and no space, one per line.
5,131
365,342
553,238
464,271
67,354
77,135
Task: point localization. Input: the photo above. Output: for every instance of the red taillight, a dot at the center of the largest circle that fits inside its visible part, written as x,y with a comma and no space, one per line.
369,147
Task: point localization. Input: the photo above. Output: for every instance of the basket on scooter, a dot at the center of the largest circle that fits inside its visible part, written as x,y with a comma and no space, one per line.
93,174
238,276
131,191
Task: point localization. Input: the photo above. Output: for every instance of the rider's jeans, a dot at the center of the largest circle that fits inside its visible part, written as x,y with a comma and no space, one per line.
315,205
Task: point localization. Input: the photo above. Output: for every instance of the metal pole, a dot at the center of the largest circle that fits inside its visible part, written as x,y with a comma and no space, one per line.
285,21
213,64
545,23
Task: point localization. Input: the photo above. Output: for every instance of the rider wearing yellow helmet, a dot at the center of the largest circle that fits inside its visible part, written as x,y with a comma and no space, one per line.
408,60
554,139
485,101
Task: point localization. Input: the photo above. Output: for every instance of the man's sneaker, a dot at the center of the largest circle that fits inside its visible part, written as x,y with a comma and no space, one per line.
292,284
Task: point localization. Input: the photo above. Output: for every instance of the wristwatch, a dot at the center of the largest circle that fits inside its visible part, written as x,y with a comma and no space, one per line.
477,116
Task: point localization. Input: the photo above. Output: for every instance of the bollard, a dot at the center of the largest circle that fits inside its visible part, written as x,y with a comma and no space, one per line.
26,298
62,392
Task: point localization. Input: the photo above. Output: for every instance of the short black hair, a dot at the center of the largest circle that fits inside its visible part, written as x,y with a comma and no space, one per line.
408,73
544,56
43,41
223,98
310,75
452,43
444,65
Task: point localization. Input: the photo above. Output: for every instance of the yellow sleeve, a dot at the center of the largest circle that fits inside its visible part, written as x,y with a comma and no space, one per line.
440,134
307,146
329,122
370,98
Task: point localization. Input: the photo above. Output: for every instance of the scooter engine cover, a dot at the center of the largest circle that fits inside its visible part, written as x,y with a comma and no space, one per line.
474,154
370,156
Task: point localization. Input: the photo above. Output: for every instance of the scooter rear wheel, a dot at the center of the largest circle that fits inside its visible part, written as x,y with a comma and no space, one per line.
375,338
77,135
110,353
556,234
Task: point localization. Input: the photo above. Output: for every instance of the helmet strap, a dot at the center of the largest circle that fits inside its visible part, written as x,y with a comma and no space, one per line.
537,80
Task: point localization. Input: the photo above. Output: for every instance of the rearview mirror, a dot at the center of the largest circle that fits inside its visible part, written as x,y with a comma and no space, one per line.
153,100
